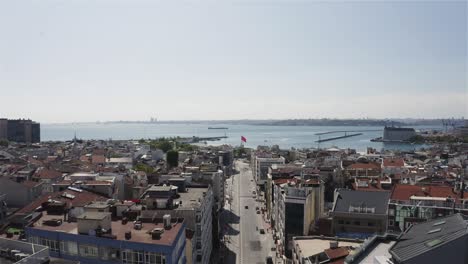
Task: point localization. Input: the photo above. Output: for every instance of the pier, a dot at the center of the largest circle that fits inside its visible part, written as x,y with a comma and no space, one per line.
340,137
200,139
346,131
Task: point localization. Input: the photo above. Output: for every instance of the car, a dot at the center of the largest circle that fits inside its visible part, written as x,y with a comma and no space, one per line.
246,207
256,208
258,211
269,260
262,231
253,192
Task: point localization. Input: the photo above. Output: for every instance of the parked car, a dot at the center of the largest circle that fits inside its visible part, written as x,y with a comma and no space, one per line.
246,207
262,231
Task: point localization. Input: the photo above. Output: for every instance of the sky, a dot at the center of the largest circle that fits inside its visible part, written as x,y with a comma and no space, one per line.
79,60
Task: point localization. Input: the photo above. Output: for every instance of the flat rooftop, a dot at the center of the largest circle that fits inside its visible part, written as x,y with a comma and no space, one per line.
190,198
314,246
381,251
118,229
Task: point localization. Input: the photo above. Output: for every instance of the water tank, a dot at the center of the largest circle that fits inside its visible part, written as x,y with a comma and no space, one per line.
167,221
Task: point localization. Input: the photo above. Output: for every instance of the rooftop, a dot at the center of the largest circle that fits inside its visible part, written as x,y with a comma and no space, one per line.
393,162
316,245
349,201
403,192
118,229
79,199
190,199
423,237
93,216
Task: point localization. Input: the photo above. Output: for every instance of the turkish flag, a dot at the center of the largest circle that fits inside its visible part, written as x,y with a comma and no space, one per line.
243,139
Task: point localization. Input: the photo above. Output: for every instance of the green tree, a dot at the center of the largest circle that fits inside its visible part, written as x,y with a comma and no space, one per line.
162,144
4,143
172,158
187,147
143,167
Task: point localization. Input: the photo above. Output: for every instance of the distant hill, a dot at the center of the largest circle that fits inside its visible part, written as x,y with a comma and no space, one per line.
327,122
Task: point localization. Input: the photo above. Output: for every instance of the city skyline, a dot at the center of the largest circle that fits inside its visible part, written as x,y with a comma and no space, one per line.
96,60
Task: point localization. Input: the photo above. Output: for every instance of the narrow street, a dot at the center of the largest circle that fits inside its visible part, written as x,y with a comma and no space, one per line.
242,224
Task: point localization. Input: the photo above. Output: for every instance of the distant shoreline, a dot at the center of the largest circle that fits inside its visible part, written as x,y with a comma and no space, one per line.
281,122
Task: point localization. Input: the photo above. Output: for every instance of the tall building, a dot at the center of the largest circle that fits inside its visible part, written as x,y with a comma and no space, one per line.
297,205
20,130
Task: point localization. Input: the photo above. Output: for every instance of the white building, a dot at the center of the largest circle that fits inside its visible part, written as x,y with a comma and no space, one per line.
261,166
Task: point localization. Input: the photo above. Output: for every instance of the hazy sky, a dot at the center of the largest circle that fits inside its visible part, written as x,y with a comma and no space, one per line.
65,61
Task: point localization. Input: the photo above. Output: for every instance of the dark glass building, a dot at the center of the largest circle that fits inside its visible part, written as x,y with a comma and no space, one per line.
20,130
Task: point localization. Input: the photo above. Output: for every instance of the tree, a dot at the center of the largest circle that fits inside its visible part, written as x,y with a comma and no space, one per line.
4,143
172,158
143,167
187,147
162,144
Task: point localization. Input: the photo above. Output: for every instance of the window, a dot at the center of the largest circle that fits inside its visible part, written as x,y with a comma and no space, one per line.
52,244
109,253
370,224
340,222
391,223
391,212
69,248
154,258
357,223
88,251
132,257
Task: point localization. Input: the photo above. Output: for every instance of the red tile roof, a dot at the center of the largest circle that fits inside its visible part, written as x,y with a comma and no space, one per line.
30,184
47,174
404,192
363,166
337,253
84,158
97,159
99,152
81,199
392,162
282,181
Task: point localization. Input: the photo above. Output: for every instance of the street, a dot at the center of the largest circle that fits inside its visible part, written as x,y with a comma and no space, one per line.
248,245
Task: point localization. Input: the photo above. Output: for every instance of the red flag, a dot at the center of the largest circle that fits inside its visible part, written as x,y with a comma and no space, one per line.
243,139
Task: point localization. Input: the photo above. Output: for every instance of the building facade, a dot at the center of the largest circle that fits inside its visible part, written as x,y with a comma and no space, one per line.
20,130
149,243
295,210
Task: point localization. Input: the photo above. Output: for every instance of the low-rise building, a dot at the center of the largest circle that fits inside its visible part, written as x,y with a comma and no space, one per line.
319,249
443,240
413,204
95,238
359,213
195,205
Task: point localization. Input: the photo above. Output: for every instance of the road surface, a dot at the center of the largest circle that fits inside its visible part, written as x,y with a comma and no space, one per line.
242,226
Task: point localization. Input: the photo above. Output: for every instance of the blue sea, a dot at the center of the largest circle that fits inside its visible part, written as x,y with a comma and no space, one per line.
284,136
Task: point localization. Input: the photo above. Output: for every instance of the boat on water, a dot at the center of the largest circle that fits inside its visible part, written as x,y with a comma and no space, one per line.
218,128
